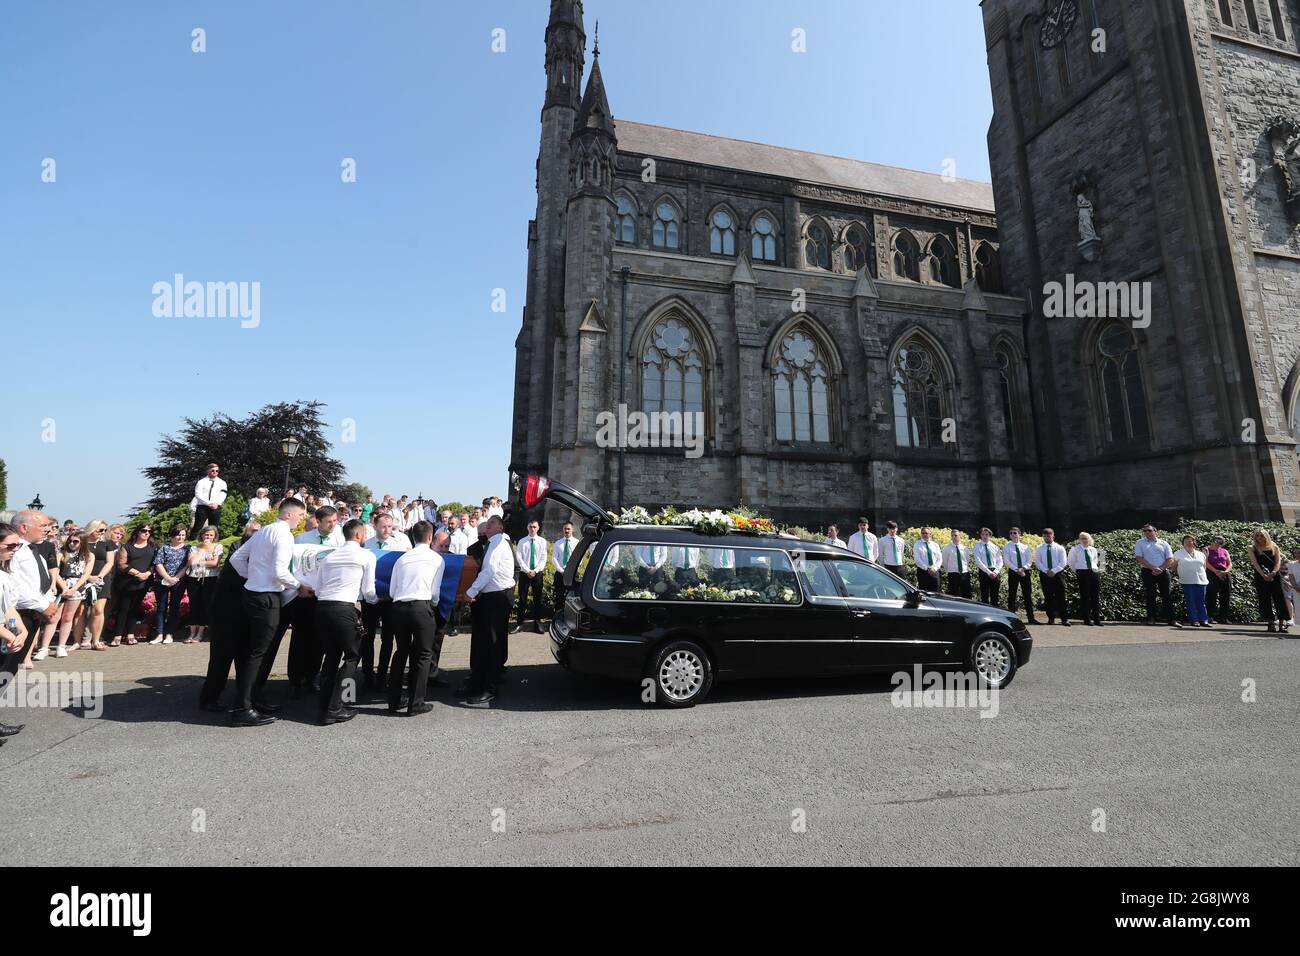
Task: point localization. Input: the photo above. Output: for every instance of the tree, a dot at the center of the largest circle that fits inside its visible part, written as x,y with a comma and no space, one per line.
354,494
4,485
248,451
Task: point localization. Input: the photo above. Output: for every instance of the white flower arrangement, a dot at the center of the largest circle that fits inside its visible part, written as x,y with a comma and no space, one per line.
744,594
639,595
780,595
634,515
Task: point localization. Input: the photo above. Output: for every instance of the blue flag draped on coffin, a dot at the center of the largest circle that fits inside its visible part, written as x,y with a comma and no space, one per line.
305,566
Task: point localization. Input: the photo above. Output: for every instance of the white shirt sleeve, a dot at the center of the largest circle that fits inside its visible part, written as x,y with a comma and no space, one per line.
368,579
283,555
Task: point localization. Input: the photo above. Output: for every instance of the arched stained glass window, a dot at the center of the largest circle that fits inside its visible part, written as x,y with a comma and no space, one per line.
625,225
906,256
1124,404
763,240
672,369
801,390
817,246
666,233
1007,393
858,250
722,233
943,262
920,397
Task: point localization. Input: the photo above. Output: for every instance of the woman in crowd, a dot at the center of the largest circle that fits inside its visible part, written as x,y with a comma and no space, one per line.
131,582
1189,565
106,540
201,579
76,561
1218,596
260,502
1083,558
13,635
169,563
1266,558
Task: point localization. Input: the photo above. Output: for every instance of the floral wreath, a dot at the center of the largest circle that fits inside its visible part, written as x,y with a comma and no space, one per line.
703,522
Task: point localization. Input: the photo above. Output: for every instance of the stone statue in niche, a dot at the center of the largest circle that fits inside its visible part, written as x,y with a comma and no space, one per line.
1087,231
1089,240
1284,139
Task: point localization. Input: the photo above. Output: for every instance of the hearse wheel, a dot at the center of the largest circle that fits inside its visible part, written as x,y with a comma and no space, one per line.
682,674
993,659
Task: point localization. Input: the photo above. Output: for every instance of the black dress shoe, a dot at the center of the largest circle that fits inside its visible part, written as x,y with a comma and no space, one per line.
480,701
398,707
213,707
342,717
250,718
418,709
1065,623
266,708
516,629
1177,624
8,730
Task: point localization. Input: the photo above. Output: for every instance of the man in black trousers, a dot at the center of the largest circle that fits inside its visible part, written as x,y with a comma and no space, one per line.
264,563
346,575
491,596
414,586
227,632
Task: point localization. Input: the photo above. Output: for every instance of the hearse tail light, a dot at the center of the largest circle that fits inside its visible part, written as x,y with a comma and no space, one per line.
535,489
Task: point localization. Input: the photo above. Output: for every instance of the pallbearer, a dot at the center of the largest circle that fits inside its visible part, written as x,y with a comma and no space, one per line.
1083,559
531,554
1049,557
415,587
956,561
346,575
863,542
928,560
833,537
305,651
561,551
1018,559
893,549
988,559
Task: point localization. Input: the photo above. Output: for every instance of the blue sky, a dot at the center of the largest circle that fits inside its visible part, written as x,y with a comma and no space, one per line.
225,166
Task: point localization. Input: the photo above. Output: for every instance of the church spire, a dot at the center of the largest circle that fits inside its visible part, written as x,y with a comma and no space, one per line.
594,113
566,42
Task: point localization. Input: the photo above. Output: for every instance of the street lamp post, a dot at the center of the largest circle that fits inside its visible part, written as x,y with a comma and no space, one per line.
289,446
35,504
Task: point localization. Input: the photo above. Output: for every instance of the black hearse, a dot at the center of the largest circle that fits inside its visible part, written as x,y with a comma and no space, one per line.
677,609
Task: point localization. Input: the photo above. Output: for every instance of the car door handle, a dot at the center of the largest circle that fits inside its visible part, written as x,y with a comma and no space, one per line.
862,614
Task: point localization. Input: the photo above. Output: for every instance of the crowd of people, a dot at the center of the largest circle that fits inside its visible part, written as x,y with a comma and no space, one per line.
1204,576
62,586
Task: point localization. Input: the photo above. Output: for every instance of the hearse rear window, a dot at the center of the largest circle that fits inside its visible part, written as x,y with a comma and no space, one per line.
661,572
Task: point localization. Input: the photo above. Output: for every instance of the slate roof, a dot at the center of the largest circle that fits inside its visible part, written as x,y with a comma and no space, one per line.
668,143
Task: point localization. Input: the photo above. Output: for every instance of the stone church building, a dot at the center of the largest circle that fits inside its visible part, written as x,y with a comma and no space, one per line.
862,339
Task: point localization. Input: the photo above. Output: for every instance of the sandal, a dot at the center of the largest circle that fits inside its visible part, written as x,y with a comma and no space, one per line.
100,646
132,641
115,643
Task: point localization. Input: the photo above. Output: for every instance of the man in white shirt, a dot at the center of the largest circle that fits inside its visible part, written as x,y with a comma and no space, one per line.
956,561
490,598
32,592
327,531
531,554
1154,554
305,650
494,508
1049,558
458,539
209,496
377,618
561,552
347,574
260,502
1084,561
893,551
929,559
863,542
415,587
988,559
650,557
833,537
264,564
1018,559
